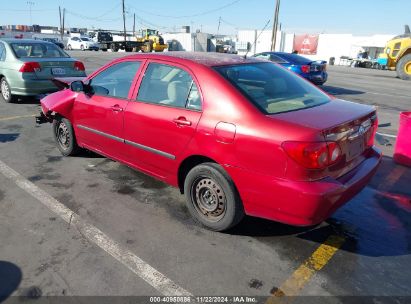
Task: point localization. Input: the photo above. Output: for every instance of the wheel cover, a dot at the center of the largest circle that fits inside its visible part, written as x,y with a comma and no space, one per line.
407,68
208,199
5,90
63,135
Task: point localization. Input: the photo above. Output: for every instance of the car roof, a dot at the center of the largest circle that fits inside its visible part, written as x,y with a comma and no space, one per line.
202,58
13,40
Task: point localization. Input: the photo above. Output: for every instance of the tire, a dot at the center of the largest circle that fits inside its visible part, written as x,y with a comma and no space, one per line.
6,91
64,136
212,198
148,47
104,50
82,47
404,67
114,47
69,47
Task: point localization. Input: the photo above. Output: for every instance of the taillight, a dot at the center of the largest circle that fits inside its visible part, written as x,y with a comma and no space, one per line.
30,67
79,66
313,155
305,69
373,131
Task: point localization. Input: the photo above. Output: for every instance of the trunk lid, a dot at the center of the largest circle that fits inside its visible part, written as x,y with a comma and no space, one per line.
55,67
351,125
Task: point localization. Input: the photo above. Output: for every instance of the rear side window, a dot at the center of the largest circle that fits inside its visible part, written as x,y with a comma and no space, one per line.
169,85
37,50
2,52
272,88
116,80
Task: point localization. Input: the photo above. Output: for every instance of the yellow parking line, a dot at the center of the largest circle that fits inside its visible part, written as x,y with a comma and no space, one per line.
293,285
16,117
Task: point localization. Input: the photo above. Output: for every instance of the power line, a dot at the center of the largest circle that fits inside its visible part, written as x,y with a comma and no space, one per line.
189,16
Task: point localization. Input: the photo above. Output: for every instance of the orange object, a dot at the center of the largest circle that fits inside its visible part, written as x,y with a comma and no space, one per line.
402,152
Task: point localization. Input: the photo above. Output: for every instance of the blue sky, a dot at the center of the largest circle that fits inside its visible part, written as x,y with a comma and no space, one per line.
364,17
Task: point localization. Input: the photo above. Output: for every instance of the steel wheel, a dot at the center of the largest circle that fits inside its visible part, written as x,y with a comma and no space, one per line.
209,199
212,198
407,68
63,135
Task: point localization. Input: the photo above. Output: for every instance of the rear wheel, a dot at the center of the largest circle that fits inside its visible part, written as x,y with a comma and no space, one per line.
64,136
6,91
404,67
212,198
114,47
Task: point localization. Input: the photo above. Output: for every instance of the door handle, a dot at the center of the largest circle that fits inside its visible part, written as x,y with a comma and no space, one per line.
182,121
116,108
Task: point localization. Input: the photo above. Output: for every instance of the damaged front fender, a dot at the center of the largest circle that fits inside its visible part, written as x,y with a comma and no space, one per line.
57,103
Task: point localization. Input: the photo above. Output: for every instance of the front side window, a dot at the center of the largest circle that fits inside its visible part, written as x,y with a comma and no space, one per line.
169,85
116,80
37,50
271,88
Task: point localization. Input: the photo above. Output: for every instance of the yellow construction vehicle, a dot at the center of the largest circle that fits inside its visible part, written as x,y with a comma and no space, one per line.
397,55
151,41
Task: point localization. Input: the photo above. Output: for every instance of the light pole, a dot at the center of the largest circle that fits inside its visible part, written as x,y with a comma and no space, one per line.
30,4
275,25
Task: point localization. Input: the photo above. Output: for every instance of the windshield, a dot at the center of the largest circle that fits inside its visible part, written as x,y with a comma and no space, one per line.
84,39
37,50
272,88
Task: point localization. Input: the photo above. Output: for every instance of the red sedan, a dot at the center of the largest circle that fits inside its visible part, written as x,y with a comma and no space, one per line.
237,136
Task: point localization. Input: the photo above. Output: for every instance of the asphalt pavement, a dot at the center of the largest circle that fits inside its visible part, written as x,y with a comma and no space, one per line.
89,226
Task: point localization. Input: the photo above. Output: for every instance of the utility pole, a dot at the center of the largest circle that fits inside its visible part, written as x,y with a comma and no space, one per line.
30,4
124,23
64,20
219,23
134,25
61,24
275,25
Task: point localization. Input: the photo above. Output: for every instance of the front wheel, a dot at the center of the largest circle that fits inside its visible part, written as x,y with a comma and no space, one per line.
69,47
64,136
6,91
212,197
404,67
82,47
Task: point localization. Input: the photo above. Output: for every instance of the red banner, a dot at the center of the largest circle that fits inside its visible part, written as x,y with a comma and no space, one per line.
306,44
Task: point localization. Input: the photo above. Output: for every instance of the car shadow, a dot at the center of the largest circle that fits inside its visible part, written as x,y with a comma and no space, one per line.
376,222
5,138
10,279
27,100
337,91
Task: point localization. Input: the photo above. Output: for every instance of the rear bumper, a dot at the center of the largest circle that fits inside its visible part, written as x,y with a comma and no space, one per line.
33,87
317,78
301,203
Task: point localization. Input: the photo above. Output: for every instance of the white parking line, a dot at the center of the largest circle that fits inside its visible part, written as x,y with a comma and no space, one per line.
387,135
153,277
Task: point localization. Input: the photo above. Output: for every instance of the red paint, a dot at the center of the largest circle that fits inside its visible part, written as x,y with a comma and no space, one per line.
232,132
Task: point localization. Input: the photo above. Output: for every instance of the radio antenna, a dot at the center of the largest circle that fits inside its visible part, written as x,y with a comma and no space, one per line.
265,26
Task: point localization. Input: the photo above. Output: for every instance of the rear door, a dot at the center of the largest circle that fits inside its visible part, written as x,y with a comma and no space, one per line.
161,121
99,114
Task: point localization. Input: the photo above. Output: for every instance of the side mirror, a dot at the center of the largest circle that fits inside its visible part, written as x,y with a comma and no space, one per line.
77,86
80,86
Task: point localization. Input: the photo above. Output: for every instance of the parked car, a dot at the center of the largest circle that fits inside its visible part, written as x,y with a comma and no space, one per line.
82,43
237,136
27,67
314,71
55,41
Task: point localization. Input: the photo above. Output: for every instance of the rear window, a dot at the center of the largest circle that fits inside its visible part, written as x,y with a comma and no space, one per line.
296,59
272,88
37,50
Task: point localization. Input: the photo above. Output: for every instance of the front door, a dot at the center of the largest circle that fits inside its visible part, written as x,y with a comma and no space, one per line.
160,123
99,114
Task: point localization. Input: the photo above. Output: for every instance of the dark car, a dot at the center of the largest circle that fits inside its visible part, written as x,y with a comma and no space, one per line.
314,71
55,41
